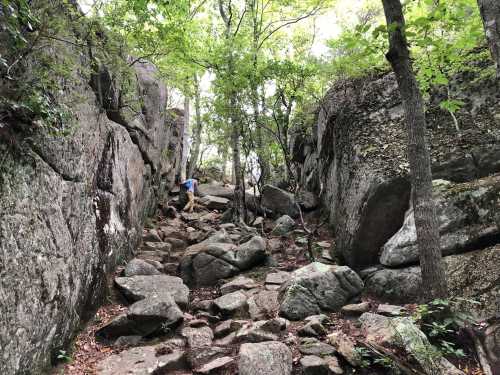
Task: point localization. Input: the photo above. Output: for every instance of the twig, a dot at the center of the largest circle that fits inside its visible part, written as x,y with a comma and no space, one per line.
483,358
383,352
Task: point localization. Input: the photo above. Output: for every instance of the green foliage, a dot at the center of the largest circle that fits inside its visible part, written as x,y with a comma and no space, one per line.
368,358
442,320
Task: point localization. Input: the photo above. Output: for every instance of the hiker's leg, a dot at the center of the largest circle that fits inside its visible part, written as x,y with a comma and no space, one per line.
190,204
191,200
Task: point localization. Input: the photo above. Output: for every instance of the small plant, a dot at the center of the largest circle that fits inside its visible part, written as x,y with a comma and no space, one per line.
441,320
63,356
364,356
448,348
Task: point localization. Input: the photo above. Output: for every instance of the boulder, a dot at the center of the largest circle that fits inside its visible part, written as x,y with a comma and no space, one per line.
356,309
314,326
318,287
314,365
143,318
122,325
206,263
216,189
200,356
279,201
144,360
163,311
79,200
307,200
138,267
402,333
263,304
136,288
232,304
356,156
473,275
274,280
251,253
228,326
270,358
346,347
467,214
239,283
284,225
214,203
198,337
151,235
262,330
312,346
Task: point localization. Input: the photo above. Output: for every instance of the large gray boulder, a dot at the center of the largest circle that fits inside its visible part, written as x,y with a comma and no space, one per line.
214,203
216,189
318,287
136,288
284,225
279,201
467,213
402,333
473,275
144,360
356,156
144,317
72,205
138,267
205,263
269,358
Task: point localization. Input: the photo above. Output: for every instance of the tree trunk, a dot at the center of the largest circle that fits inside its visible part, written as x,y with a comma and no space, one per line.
261,153
185,140
426,222
195,153
490,13
231,94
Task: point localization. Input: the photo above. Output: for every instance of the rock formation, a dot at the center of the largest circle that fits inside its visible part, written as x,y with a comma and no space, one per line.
73,206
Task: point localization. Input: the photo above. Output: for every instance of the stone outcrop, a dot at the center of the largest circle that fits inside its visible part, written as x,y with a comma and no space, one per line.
72,206
468,214
356,159
217,258
318,287
474,275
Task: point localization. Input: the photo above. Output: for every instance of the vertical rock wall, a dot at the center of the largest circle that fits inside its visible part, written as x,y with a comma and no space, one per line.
356,156
73,206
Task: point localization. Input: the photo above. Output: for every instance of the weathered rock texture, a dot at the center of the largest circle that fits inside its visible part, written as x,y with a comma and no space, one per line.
72,206
473,275
468,215
356,155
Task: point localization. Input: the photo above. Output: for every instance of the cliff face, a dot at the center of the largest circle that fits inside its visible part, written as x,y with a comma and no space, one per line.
356,156
72,206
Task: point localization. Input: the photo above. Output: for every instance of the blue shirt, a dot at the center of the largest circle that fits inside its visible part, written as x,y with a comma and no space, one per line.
189,184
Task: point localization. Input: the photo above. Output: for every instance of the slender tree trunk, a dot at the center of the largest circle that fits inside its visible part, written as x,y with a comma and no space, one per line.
426,222
490,13
195,151
185,140
261,154
231,94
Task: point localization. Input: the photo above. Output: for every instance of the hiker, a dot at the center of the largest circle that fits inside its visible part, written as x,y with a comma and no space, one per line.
190,185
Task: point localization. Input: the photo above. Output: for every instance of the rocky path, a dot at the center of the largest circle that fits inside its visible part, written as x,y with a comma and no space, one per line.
203,297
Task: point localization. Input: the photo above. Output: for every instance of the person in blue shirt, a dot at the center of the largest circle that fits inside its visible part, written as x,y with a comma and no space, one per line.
190,185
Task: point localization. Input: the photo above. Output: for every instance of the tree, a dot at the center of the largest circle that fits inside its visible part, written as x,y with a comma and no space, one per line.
198,127
185,140
232,26
424,208
490,13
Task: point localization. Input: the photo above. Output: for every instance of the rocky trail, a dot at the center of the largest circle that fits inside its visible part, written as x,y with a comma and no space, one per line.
206,297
